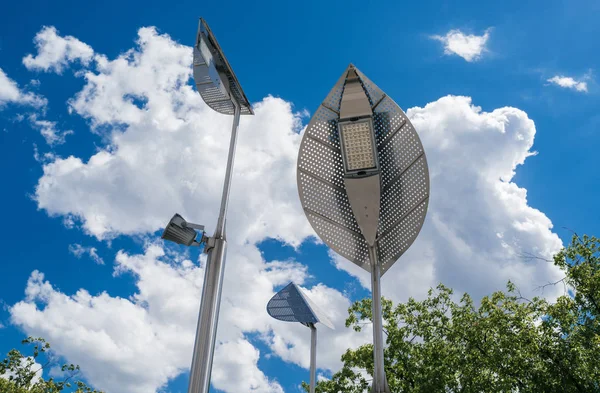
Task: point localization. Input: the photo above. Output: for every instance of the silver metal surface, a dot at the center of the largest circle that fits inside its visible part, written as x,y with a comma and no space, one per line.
208,319
214,77
213,282
313,358
220,229
380,384
404,179
364,195
355,102
370,217
220,89
317,312
195,226
290,304
179,232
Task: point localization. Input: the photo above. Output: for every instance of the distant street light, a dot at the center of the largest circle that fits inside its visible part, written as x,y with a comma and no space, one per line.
220,89
291,305
364,184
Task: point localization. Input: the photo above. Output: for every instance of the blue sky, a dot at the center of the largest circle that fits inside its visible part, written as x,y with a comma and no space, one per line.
94,225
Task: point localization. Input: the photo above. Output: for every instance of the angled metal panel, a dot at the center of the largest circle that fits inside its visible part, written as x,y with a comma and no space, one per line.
317,312
215,80
404,179
291,305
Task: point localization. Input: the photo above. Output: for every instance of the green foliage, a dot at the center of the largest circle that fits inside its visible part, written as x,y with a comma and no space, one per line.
19,372
505,344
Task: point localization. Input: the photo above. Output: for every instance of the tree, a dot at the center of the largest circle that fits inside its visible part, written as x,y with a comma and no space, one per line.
505,344
18,372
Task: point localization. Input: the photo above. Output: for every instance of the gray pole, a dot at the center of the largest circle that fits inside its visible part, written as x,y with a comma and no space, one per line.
206,331
379,380
313,357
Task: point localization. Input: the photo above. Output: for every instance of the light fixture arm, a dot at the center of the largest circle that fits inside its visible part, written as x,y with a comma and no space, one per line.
195,226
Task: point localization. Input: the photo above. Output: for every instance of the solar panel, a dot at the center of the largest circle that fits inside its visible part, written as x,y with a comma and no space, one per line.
214,78
291,305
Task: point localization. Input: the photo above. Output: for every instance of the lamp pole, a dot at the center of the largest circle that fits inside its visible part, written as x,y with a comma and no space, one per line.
379,379
313,357
363,182
221,91
291,305
216,247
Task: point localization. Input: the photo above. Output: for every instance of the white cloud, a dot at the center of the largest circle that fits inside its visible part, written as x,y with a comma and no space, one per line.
144,341
54,53
231,361
166,152
48,130
177,142
569,83
78,250
10,93
468,46
479,223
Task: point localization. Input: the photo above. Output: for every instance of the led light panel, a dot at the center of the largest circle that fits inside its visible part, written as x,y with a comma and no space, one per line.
357,140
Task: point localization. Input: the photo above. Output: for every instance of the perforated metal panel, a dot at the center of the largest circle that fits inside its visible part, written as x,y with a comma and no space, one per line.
291,305
404,179
214,78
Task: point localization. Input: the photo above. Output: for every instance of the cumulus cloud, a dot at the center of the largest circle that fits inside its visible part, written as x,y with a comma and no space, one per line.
173,153
166,152
479,226
79,251
11,93
49,131
144,341
468,46
54,52
568,82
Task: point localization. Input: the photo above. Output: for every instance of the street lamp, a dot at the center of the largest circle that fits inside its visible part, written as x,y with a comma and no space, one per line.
363,183
220,90
291,305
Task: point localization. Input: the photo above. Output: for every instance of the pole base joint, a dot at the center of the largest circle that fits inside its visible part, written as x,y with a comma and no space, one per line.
377,389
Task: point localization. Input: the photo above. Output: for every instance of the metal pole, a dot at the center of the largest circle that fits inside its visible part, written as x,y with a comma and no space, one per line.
220,229
206,331
313,357
380,384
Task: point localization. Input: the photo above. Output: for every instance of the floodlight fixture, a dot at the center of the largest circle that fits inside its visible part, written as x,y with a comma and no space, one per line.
363,182
292,305
221,91
180,231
